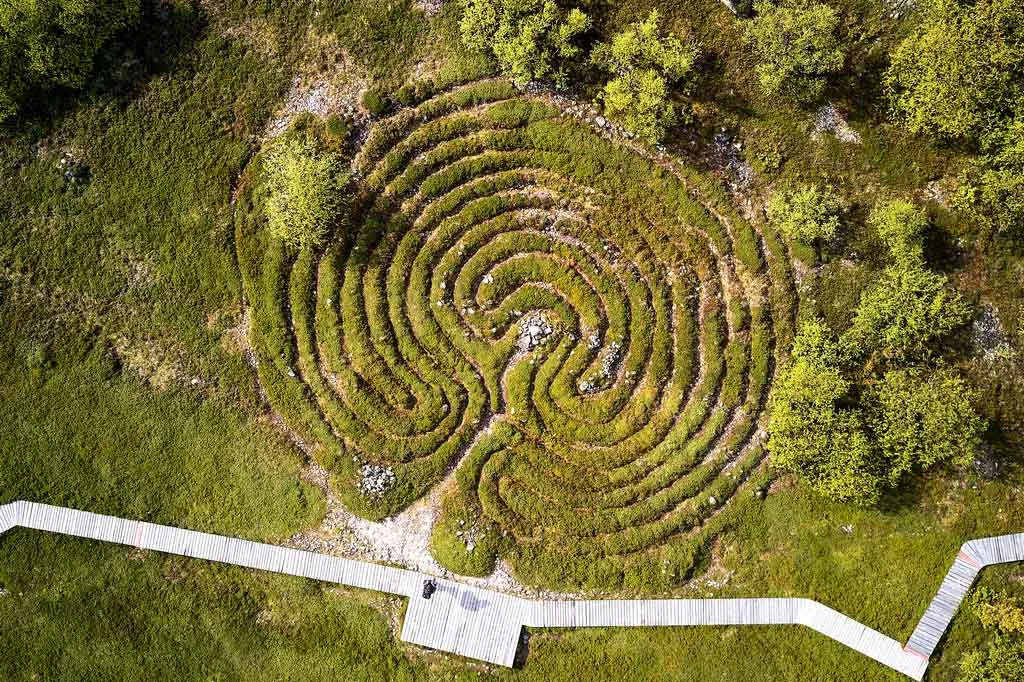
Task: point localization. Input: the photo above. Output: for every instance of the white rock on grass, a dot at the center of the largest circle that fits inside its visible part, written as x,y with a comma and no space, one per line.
829,120
376,479
533,332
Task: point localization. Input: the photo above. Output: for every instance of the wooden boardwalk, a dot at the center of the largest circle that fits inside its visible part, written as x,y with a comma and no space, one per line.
487,625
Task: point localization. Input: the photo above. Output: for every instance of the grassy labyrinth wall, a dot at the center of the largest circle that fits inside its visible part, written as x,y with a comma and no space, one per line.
586,338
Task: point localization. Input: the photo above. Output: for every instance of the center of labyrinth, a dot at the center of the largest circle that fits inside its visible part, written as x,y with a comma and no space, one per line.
583,335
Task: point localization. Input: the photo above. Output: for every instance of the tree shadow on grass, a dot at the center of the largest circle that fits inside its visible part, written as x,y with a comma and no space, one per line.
158,44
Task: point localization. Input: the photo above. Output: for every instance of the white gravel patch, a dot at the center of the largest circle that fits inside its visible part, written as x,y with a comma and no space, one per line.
829,120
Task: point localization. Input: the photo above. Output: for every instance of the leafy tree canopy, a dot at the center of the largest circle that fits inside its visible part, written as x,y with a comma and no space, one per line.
961,72
305,190
921,419
796,44
530,39
993,190
853,450
806,215
905,312
811,435
910,307
901,225
47,43
646,69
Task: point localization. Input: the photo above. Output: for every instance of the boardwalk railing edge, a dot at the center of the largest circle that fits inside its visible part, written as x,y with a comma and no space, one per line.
487,625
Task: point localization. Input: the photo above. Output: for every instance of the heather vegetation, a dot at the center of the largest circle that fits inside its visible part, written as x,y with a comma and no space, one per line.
672,301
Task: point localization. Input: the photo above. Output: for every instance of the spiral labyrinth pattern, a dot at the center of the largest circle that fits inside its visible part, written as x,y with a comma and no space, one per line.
587,334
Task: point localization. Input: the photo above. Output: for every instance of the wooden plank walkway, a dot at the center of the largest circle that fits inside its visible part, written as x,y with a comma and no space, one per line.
974,556
487,625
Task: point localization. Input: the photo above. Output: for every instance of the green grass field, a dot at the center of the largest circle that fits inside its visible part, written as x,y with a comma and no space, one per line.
125,388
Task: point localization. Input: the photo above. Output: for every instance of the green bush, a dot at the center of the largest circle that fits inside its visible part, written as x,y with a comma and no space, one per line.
647,70
812,433
808,215
920,419
51,43
992,188
305,190
530,39
375,102
905,312
796,47
958,76
959,72
901,225
850,448
1003,661
997,610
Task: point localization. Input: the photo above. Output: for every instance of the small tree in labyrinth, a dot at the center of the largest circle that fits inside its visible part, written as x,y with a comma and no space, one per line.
647,69
305,191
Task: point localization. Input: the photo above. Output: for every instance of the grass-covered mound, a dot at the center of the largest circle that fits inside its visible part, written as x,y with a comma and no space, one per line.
623,424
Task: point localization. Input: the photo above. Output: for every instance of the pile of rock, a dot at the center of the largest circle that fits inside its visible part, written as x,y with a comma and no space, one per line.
533,332
470,535
608,364
376,479
739,174
988,337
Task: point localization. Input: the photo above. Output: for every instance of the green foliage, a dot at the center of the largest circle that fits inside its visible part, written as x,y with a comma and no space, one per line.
921,419
906,312
910,307
807,215
375,102
960,71
853,451
997,610
992,189
901,225
647,69
960,75
305,190
811,435
796,47
530,39
50,43
1003,661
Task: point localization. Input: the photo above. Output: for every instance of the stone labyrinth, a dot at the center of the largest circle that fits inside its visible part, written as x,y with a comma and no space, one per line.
585,336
